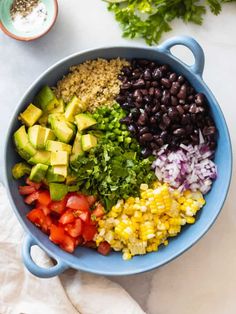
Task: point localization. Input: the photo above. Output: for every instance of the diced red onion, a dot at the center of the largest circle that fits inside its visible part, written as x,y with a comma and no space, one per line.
190,167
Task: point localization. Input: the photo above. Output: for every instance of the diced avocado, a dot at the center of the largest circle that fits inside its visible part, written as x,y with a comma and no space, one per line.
41,157
24,148
20,169
38,172
38,136
84,121
71,179
58,191
60,108
55,146
51,176
61,170
59,158
61,129
88,141
43,120
74,107
46,99
77,150
31,115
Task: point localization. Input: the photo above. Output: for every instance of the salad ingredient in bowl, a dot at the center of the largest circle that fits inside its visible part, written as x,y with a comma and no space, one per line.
117,156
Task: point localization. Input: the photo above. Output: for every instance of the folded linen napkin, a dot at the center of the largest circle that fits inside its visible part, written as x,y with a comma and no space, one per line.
72,293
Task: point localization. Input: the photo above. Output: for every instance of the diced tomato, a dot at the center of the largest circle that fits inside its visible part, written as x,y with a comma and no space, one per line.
34,184
74,229
104,248
78,201
99,211
26,190
68,244
32,197
44,198
91,244
37,217
57,234
67,217
58,206
85,217
91,200
44,208
89,232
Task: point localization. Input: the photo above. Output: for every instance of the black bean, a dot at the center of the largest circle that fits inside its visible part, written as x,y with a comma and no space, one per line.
193,108
199,99
154,84
211,130
164,68
139,99
147,99
136,74
147,75
139,83
155,108
181,79
182,94
175,126
143,130
146,137
186,108
174,101
137,93
175,88
157,93
125,120
166,97
164,135
125,86
164,108
147,109
172,113
146,152
157,74
166,119
120,99
158,140
144,92
185,119
135,113
153,120
132,128
162,126
180,109
126,70
165,82
179,132
190,98
142,119
154,146
173,77
151,91
126,106
194,138
158,116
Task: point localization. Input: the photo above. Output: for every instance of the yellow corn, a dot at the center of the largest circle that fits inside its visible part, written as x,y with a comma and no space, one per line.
141,224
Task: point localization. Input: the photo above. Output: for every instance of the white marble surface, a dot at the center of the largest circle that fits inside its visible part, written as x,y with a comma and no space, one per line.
203,280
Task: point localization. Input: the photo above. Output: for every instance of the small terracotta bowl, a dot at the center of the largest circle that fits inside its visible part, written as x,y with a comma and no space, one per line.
37,31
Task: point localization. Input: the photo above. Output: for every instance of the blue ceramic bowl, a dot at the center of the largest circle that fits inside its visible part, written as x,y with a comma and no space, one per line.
87,259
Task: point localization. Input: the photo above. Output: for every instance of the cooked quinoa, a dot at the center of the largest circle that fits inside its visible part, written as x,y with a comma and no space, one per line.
95,82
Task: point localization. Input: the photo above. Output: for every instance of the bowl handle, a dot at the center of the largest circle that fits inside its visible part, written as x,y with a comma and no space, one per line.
190,43
34,268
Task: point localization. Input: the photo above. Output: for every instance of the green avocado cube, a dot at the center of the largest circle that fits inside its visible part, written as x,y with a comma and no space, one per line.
38,172
63,129
31,115
46,99
88,141
60,108
51,176
84,121
41,157
61,170
74,107
59,158
23,146
20,169
58,191
77,150
55,146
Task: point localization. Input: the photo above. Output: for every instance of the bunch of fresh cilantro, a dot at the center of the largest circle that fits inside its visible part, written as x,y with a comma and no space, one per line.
112,172
149,19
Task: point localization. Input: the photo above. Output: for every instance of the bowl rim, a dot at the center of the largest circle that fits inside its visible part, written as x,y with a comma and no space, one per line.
140,269
27,39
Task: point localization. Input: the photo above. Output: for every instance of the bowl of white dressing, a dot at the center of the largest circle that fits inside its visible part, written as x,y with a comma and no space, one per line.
27,20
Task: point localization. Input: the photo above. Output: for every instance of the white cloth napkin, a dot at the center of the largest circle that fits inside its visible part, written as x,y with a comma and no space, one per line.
72,293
